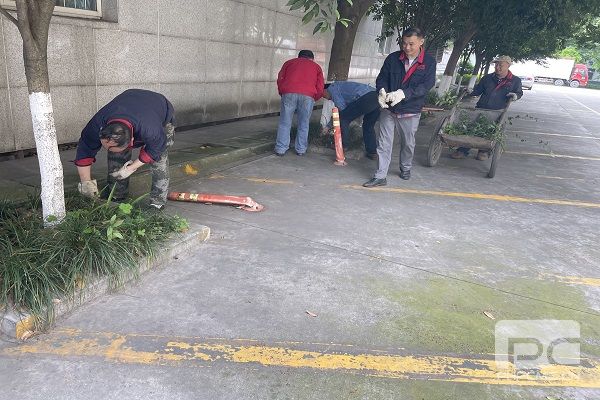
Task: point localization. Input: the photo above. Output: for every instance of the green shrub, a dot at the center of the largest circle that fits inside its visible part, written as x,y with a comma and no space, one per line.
466,78
447,100
465,68
593,85
95,239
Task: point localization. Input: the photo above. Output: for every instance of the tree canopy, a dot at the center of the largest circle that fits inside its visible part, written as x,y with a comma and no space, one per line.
324,13
428,15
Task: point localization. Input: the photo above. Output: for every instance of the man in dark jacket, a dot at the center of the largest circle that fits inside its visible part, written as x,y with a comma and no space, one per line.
300,83
495,89
403,82
135,118
353,100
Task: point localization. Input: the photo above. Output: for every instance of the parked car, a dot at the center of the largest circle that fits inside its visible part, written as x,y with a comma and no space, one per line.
527,81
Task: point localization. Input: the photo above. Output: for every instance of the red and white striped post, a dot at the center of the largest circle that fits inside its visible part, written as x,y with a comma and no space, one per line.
340,159
243,202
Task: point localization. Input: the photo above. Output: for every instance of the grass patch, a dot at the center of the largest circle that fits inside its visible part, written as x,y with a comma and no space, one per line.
96,239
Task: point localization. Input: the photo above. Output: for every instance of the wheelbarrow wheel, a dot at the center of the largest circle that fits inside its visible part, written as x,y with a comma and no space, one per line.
497,152
436,145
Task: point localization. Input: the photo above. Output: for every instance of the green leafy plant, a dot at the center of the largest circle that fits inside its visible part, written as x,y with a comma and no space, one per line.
112,231
481,127
447,100
95,239
323,12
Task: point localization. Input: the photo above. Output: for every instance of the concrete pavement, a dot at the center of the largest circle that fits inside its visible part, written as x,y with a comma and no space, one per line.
336,291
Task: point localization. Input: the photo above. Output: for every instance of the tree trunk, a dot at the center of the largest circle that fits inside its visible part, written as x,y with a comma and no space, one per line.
44,131
33,21
341,48
487,68
478,61
476,68
459,45
343,40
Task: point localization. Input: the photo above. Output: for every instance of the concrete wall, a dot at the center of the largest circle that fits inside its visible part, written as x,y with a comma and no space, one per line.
214,59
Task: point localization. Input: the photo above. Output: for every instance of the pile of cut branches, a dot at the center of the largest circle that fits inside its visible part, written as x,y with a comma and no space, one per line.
481,127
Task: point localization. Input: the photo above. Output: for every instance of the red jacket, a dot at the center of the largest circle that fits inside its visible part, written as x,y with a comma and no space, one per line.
301,75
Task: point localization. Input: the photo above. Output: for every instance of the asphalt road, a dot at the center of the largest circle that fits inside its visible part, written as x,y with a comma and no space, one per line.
339,292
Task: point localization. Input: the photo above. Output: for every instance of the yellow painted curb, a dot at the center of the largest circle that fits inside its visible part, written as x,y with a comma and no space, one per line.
164,350
25,328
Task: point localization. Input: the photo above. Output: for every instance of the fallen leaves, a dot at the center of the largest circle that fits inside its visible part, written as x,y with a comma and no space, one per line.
190,170
26,335
489,315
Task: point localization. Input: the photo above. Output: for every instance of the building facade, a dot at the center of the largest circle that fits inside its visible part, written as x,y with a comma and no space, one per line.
214,59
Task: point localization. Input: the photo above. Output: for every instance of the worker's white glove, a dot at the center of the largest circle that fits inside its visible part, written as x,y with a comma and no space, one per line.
512,96
124,172
381,98
88,188
395,97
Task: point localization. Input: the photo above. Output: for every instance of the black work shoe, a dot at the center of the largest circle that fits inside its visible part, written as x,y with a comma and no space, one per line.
300,154
405,175
375,182
279,154
372,156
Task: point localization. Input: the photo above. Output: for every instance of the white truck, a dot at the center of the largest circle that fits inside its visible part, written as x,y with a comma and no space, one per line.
558,71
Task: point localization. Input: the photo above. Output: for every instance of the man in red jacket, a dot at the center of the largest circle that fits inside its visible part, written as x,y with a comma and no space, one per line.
300,83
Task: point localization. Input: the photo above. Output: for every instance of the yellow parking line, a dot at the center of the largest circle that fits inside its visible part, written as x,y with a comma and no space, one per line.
576,280
553,155
271,181
480,196
198,352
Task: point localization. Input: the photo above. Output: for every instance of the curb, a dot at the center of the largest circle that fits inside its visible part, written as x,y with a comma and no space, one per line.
18,325
206,165
202,166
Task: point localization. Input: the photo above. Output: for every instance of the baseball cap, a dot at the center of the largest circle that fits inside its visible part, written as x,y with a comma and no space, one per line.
503,58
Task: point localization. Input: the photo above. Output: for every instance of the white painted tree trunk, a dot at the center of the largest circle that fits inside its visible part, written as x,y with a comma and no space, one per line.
472,83
444,85
51,171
